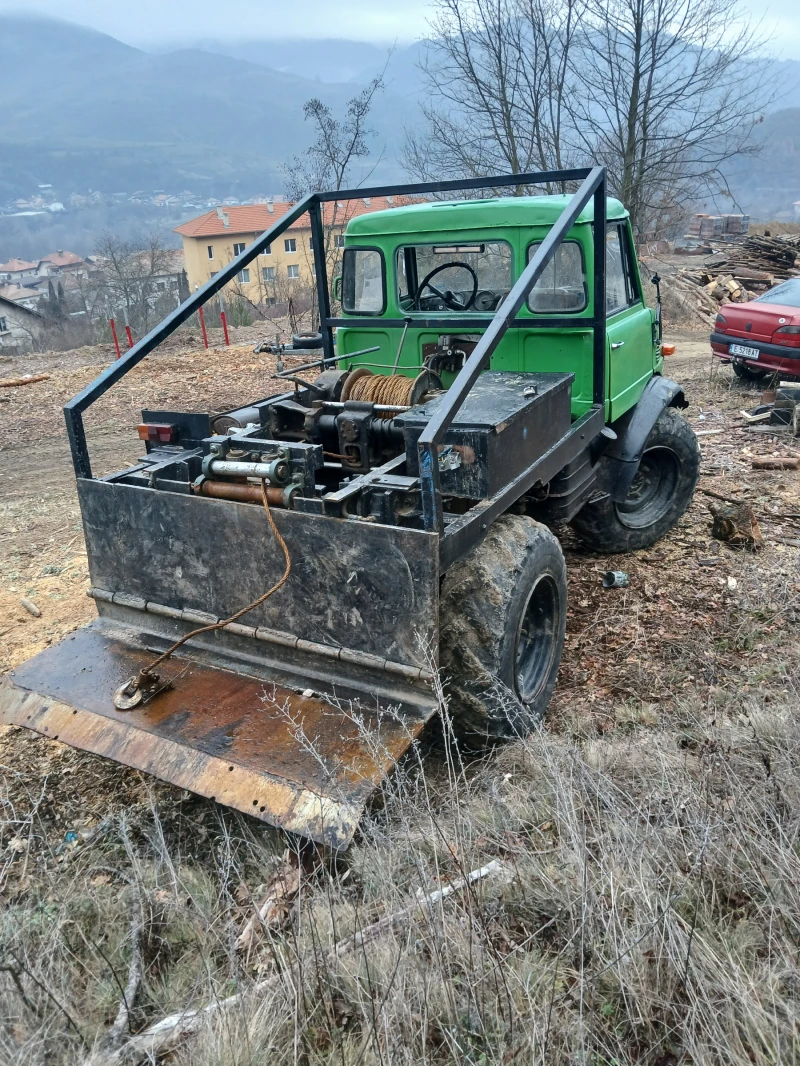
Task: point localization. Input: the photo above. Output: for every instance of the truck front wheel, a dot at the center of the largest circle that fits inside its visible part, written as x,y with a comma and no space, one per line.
660,494
503,611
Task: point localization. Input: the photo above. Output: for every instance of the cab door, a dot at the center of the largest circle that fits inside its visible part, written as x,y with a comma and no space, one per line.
629,323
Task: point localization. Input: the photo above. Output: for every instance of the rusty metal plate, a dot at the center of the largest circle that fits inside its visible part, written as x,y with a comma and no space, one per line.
297,762
360,585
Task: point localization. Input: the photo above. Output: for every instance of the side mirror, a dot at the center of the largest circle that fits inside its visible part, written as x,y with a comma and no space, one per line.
337,287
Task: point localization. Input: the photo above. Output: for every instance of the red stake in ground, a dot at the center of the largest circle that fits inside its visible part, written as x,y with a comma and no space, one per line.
114,335
202,318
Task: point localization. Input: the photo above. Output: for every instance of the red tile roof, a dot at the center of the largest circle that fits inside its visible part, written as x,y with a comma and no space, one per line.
14,265
255,218
63,259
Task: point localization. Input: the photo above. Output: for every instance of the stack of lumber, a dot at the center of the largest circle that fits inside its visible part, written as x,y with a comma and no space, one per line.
735,273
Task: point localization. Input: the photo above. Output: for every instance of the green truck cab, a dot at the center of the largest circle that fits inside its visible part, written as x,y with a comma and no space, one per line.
452,260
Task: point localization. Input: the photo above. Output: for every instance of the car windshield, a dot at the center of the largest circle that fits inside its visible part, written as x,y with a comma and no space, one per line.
788,294
453,277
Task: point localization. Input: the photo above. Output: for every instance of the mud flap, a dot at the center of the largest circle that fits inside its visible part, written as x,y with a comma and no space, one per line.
305,763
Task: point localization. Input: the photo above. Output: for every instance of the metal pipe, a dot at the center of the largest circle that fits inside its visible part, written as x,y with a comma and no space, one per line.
230,468
320,362
394,407
226,490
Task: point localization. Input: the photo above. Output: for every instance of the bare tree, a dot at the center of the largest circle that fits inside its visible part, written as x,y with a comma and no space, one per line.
328,166
663,92
672,90
496,72
129,279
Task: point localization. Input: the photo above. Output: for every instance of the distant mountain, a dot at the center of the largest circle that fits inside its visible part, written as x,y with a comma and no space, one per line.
81,110
101,114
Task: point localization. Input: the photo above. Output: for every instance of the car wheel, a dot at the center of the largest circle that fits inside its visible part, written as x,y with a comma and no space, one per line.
503,612
749,374
660,494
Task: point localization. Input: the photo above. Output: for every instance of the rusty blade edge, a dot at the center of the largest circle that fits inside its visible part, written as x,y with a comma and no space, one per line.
290,807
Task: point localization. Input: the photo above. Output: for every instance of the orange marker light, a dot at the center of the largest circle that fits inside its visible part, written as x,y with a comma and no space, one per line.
667,349
156,432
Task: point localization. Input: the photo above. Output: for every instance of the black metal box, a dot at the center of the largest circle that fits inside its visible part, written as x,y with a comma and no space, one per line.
508,419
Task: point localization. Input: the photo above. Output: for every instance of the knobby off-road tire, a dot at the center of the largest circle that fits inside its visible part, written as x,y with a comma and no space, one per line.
660,494
503,612
747,374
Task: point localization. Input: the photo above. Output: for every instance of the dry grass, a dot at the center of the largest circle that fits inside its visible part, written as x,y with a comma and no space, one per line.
652,830
653,916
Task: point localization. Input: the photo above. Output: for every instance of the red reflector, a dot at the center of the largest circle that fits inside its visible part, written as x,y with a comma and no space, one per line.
156,432
667,349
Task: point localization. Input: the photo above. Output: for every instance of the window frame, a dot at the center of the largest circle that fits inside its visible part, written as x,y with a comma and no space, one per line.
241,278
338,240
630,277
267,249
411,270
210,250
559,313
295,267
366,248
240,246
264,278
286,242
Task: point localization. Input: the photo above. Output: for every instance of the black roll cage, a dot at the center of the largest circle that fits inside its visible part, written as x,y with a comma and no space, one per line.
467,528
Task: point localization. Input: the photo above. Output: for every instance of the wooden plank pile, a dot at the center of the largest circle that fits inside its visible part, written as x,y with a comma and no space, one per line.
736,272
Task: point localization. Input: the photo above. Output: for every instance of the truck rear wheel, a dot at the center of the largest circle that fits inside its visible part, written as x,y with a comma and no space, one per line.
660,494
503,612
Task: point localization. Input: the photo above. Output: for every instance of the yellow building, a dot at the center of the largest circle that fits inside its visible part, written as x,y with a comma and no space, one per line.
212,240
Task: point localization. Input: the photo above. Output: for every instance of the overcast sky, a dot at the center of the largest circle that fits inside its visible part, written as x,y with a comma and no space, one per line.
141,22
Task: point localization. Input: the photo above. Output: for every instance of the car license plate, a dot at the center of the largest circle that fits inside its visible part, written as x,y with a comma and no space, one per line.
743,352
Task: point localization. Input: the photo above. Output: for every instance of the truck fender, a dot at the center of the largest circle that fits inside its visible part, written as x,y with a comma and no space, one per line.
621,458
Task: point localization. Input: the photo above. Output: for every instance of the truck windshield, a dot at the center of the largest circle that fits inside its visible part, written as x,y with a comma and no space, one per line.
474,276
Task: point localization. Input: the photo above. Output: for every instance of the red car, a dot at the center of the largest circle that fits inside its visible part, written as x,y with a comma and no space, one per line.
761,337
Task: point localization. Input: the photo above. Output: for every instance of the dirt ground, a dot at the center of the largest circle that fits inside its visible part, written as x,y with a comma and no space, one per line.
664,636
667,682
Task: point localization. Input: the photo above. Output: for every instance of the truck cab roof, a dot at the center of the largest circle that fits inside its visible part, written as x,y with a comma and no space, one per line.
448,215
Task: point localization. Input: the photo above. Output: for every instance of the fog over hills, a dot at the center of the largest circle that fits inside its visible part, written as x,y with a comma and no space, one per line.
81,110
86,111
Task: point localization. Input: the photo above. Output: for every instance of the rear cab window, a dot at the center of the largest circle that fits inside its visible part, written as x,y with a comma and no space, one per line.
452,278
562,286
363,281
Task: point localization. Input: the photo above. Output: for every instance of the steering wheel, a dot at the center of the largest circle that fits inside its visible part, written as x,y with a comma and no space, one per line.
449,298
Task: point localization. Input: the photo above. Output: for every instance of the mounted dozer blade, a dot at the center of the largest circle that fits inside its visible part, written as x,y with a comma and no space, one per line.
303,762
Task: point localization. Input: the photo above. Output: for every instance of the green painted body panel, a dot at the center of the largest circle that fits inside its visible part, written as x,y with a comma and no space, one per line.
519,221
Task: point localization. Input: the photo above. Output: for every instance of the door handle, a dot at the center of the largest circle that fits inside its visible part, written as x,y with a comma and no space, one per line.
617,344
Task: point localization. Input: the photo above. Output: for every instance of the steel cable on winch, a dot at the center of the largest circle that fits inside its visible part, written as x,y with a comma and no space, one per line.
389,389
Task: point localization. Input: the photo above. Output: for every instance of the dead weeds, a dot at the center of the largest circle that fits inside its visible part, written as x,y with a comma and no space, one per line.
654,912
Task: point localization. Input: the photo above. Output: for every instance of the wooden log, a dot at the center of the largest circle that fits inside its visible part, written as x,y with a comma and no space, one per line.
29,379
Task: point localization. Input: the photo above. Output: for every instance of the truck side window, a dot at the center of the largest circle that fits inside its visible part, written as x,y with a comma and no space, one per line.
616,283
622,289
562,286
363,282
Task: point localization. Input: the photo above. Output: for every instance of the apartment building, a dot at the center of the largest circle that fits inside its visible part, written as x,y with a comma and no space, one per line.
213,239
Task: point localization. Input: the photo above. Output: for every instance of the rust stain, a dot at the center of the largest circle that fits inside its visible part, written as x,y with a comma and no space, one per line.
294,761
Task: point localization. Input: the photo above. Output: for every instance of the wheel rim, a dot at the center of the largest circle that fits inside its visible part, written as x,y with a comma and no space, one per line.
536,640
653,489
